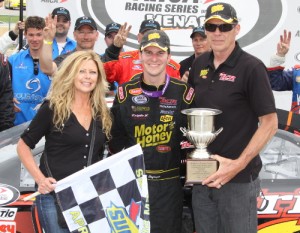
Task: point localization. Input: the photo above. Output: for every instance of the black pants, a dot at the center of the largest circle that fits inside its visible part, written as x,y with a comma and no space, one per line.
166,203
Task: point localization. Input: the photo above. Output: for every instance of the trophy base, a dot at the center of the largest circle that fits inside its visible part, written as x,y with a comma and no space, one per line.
199,153
198,170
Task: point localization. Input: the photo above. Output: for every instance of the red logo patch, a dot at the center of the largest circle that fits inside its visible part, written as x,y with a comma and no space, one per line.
121,93
163,148
227,77
136,91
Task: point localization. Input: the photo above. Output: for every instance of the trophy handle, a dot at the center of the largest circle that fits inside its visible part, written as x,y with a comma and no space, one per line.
218,131
183,130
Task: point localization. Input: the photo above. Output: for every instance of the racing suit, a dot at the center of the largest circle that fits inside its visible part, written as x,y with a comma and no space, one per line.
129,66
154,123
7,115
287,80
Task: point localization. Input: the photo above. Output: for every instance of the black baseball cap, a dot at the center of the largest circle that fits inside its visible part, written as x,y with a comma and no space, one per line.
222,11
61,11
149,24
85,20
157,38
112,27
199,30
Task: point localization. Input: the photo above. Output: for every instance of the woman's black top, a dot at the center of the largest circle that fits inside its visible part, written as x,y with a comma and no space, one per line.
68,147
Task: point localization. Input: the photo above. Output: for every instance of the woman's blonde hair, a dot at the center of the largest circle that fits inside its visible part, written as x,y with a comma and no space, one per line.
61,94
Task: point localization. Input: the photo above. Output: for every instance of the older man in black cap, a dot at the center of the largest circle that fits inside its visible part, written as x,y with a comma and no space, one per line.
62,43
200,46
237,83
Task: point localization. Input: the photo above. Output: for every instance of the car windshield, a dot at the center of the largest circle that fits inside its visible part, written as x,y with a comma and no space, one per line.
281,157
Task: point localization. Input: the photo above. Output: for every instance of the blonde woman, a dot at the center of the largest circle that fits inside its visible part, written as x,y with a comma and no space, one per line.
74,108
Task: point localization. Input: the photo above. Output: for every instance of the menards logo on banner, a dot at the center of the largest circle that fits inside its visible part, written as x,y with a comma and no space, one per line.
262,21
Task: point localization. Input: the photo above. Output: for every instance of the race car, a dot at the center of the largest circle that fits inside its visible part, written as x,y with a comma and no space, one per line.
278,203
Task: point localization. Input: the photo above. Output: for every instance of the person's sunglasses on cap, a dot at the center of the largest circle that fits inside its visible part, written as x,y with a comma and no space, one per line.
226,27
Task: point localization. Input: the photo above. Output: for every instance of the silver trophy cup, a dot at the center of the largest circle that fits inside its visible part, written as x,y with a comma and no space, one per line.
201,132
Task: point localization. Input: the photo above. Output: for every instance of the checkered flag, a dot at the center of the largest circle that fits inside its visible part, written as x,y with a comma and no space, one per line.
108,196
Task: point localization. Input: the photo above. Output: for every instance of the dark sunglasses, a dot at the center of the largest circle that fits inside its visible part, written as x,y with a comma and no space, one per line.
226,27
36,66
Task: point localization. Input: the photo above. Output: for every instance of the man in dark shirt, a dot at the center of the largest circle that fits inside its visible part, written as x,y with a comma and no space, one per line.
200,46
235,82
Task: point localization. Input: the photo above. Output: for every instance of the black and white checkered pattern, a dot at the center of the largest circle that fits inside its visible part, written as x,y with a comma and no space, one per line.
110,195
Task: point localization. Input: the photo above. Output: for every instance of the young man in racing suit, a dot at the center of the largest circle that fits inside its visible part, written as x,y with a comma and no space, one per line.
285,80
147,110
129,65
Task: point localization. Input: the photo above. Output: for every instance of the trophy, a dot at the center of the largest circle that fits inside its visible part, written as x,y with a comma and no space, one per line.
200,133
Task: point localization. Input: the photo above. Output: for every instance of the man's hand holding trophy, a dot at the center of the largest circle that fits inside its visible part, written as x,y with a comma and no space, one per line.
201,132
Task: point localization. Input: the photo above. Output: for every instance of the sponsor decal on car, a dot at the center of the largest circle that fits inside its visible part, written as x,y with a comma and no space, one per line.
279,205
8,214
8,194
7,227
288,225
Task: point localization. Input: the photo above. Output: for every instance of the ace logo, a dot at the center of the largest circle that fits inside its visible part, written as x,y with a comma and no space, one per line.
7,227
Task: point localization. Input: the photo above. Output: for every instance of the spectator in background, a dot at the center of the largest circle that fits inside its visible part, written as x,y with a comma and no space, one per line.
111,31
7,115
62,43
285,80
200,46
129,64
9,38
86,34
30,85
235,82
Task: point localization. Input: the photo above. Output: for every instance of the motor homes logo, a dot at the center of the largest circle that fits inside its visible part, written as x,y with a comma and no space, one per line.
7,227
8,194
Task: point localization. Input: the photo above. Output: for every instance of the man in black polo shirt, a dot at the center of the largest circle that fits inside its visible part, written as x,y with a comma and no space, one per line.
200,46
235,82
